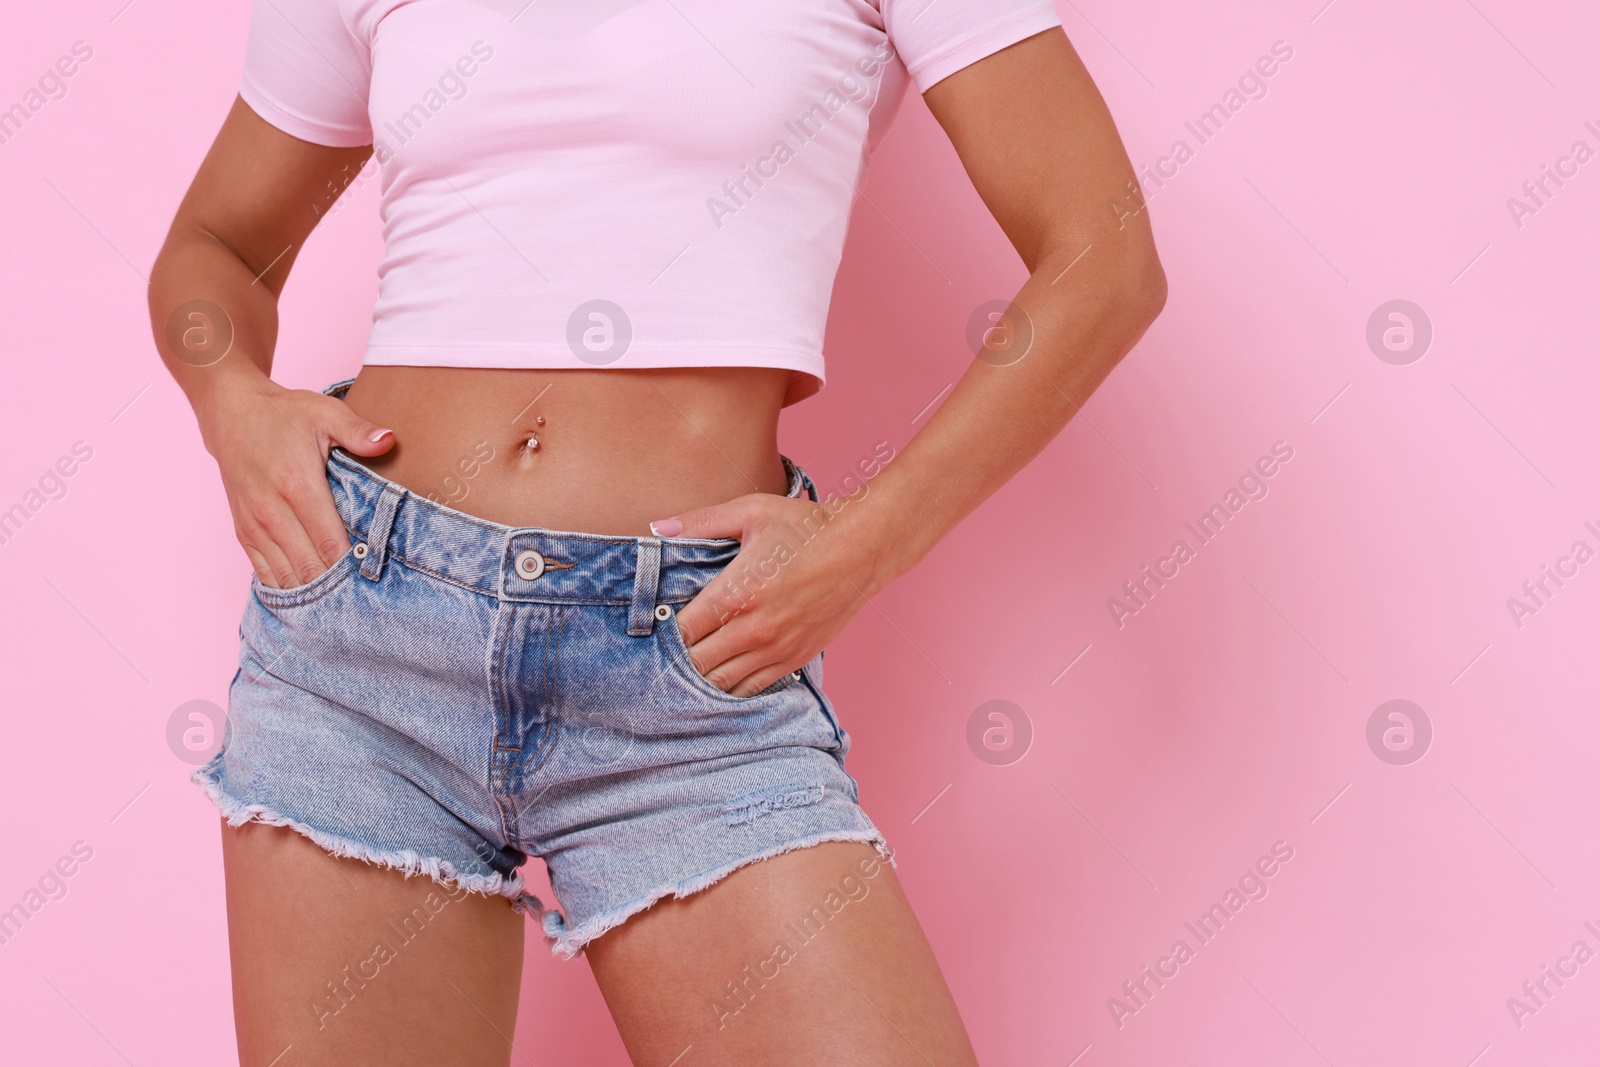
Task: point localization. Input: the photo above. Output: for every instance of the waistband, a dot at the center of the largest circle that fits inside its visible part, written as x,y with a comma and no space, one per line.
524,563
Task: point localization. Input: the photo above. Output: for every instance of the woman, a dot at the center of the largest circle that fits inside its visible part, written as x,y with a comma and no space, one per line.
539,583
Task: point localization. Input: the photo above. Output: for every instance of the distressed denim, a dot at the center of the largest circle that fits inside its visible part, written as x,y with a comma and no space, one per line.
453,696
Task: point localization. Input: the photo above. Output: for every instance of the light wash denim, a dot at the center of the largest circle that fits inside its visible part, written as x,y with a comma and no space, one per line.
453,696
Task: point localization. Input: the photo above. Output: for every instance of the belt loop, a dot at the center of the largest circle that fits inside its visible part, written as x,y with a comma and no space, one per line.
798,479
810,486
378,533
646,577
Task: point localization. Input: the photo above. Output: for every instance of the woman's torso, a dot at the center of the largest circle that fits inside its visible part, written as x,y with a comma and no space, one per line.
532,166
589,183
617,449
659,192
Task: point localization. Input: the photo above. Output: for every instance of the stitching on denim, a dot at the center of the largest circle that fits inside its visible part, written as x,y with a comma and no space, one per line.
383,484
563,601
752,806
646,579
317,588
494,668
430,572
498,643
538,531
567,941
364,472
410,862
552,691
393,554
828,712
381,531
442,577
678,653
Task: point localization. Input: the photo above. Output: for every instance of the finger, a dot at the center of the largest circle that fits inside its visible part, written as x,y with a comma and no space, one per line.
311,502
356,435
733,592
726,652
735,673
719,520
280,573
259,564
718,605
754,671
272,566
279,521
253,540
303,555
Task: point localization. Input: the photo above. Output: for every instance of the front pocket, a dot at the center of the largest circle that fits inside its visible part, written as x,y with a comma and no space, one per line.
683,666
316,588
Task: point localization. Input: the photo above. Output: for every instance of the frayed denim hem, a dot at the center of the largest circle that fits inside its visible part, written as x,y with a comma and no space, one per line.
407,862
567,943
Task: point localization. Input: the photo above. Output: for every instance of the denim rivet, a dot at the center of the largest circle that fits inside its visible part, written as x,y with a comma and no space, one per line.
663,612
360,551
529,564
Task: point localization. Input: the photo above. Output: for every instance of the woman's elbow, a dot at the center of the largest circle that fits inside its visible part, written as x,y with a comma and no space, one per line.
1133,295
1145,290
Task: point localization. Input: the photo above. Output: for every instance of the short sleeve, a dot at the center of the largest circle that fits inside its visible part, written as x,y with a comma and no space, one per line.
936,38
306,73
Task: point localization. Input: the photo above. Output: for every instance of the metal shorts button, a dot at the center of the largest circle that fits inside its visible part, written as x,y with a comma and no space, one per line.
360,551
529,564
663,612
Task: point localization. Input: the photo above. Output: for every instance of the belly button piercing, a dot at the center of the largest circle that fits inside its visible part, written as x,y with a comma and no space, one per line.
532,443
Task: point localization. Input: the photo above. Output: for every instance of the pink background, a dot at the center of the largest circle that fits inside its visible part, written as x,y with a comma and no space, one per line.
1227,715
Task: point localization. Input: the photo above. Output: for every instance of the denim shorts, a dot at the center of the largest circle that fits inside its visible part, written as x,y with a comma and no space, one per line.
453,696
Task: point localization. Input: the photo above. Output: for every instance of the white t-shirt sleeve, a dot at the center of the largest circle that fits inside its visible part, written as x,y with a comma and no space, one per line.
306,73
936,38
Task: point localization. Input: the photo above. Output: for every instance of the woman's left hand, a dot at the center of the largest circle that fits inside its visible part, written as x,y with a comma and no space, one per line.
802,573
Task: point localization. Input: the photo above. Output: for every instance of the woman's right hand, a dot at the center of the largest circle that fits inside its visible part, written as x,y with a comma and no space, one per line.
271,445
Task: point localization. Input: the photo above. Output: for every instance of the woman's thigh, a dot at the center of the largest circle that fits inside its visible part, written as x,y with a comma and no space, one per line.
338,962
810,957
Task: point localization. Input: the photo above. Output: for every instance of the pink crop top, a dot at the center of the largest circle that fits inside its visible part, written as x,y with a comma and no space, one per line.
611,183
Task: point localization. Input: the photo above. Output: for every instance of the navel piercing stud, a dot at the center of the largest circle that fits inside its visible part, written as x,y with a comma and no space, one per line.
532,443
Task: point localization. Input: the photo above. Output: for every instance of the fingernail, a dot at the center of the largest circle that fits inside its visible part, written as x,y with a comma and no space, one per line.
378,435
667,527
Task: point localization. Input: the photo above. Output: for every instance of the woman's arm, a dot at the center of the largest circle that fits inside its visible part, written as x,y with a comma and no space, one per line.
214,312
1042,151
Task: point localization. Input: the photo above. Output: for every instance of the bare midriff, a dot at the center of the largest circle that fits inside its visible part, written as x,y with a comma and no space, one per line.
616,448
